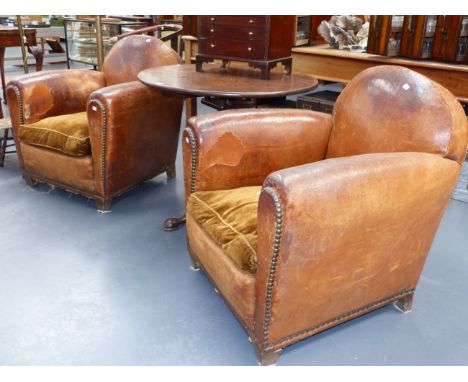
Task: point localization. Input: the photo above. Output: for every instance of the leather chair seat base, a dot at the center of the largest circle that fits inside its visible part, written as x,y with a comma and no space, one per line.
235,285
48,165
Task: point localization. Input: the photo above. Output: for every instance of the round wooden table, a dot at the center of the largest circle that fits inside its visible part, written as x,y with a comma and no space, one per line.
218,81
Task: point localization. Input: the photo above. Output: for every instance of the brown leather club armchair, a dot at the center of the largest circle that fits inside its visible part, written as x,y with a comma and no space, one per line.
97,133
303,220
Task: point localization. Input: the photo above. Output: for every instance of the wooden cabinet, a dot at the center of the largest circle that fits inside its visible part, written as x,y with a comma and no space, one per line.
385,34
315,37
451,39
262,41
417,40
301,30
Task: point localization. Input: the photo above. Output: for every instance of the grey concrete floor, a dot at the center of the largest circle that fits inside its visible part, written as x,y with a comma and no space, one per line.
82,288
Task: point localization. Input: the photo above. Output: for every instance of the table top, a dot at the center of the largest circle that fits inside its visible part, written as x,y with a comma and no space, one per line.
15,30
229,82
325,50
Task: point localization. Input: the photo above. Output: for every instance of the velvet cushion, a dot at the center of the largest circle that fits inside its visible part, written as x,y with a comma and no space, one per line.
230,218
67,134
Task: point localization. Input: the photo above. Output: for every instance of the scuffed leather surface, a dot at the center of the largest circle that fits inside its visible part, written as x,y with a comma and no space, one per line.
238,148
66,133
132,54
55,92
50,93
235,285
141,135
392,109
75,172
230,219
355,230
142,125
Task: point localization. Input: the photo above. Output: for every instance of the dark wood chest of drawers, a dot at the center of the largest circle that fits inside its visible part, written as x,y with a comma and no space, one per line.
262,41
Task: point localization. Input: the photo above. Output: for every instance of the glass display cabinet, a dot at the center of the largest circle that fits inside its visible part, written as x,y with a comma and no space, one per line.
80,35
417,40
385,35
451,39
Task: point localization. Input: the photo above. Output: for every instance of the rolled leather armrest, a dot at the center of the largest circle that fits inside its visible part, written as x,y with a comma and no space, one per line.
56,92
238,148
134,132
343,236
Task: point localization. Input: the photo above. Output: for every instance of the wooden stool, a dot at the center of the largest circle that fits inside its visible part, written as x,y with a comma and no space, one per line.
5,127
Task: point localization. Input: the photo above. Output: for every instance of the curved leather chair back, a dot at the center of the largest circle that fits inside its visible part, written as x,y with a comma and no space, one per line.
393,109
133,54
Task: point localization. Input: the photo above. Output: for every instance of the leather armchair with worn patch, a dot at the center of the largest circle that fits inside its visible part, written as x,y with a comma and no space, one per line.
303,220
98,134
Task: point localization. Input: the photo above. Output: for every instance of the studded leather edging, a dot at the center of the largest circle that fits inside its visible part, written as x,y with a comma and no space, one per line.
193,144
103,141
344,317
274,261
20,102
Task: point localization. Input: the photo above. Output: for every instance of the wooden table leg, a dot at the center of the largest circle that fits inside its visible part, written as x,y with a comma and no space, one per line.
174,223
190,107
2,72
38,54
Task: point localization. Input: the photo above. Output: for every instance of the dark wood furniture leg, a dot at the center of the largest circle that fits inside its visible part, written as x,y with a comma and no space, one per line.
2,72
174,223
190,107
171,171
287,64
3,147
38,54
103,205
268,358
404,304
30,181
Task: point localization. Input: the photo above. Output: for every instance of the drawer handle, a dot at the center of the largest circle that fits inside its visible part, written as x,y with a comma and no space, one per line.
250,33
211,30
251,21
212,45
249,49
212,18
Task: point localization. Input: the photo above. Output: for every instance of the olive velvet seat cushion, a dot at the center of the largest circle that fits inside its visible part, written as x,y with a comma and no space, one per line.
67,134
230,219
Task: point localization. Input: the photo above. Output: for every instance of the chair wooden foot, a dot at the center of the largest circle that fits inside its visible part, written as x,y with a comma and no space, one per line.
404,304
103,205
31,182
194,264
3,145
268,357
171,171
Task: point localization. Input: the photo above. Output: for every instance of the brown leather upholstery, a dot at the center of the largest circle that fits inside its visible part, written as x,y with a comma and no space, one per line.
240,148
364,115
347,230
122,64
133,130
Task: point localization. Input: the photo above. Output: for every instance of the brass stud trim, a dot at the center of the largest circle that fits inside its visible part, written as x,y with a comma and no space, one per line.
193,145
274,261
20,102
342,318
103,141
